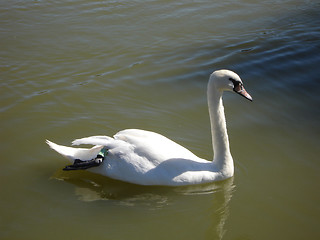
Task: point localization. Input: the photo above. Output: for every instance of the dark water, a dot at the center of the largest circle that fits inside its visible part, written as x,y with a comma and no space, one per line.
79,68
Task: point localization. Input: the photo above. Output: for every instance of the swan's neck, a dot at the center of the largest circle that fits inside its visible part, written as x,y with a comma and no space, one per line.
222,157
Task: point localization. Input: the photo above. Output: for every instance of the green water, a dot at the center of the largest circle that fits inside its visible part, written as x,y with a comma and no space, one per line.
79,68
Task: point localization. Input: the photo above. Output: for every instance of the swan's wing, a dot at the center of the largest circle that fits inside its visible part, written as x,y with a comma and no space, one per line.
145,143
106,141
153,145
144,147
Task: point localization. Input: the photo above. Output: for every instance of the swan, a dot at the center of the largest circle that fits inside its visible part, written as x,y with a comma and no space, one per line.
148,158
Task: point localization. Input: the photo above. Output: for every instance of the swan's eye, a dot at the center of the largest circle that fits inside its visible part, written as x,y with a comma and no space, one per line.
237,85
235,82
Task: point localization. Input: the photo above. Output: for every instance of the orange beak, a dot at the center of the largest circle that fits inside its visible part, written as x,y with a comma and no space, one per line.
240,90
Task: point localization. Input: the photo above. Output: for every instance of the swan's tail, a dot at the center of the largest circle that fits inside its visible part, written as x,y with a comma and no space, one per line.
83,154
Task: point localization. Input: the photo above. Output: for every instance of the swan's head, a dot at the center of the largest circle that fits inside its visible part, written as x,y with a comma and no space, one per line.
226,80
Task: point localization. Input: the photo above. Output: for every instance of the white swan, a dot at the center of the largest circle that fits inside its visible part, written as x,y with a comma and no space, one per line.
147,158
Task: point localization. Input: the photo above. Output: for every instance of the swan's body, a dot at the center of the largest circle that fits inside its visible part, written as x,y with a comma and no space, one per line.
147,158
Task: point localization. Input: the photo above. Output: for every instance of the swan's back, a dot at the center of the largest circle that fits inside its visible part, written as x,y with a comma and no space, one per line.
153,146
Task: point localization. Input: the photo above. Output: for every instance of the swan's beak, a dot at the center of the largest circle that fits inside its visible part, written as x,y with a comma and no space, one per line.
240,90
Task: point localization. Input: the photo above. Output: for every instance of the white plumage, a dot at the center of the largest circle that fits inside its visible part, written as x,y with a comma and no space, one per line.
148,158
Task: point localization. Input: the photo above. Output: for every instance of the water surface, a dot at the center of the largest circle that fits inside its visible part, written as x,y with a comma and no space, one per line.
79,68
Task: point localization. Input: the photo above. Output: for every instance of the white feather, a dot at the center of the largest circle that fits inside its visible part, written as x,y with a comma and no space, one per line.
75,153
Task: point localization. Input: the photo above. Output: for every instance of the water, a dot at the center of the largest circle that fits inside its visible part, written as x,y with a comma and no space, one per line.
79,68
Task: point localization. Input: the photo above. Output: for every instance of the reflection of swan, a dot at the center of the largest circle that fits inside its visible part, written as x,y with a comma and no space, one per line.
92,187
148,158
221,214
155,204
209,217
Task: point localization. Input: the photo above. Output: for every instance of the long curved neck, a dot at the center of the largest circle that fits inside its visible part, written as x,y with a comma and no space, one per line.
222,157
